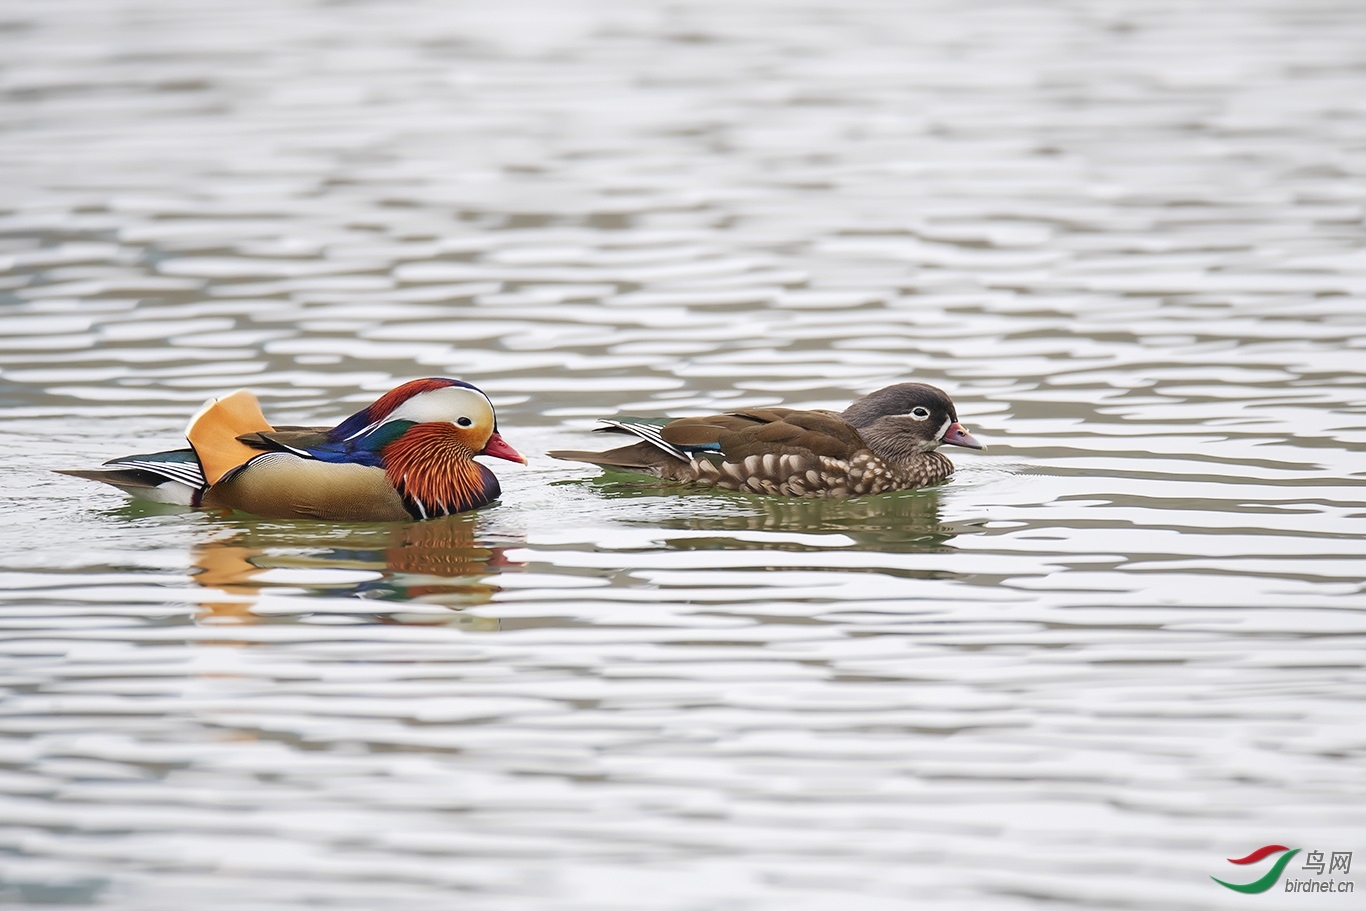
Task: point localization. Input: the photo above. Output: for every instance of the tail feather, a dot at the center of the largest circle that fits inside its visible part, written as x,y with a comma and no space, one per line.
639,457
173,465
141,484
215,428
124,479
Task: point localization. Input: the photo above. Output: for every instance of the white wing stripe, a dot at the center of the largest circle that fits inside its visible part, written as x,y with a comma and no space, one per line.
183,472
650,434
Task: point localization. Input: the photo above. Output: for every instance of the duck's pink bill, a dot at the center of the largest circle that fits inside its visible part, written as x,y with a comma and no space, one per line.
960,437
499,449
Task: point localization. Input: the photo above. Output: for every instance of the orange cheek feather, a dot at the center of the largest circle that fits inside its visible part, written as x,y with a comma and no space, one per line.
433,465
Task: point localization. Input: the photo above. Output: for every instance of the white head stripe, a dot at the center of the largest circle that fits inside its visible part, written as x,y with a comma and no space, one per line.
445,404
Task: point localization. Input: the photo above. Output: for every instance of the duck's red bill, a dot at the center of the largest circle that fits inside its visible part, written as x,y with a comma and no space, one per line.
960,437
499,449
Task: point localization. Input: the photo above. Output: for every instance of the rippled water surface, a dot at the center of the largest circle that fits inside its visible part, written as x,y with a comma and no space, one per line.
1122,645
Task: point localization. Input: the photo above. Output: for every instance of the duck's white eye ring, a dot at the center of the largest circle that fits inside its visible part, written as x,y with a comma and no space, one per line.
920,413
464,422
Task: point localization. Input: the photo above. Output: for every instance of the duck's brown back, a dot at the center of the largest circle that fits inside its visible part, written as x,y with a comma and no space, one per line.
778,431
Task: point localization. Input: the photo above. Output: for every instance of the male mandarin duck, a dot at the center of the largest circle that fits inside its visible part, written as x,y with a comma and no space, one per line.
410,455
887,440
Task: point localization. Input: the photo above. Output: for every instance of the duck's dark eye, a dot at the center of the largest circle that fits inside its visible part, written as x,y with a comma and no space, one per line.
920,413
464,422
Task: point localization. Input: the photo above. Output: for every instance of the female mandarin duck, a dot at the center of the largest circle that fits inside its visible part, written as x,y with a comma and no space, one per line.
885,441
409,455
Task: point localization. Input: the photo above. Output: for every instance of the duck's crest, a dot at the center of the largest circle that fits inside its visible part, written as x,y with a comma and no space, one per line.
384,406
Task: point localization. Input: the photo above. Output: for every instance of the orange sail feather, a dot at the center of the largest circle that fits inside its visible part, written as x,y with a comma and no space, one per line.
214,429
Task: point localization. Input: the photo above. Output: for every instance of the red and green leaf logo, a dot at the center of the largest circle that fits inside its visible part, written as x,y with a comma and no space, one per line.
1272,875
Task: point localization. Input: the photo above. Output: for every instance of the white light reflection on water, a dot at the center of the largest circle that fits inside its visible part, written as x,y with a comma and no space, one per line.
1119,647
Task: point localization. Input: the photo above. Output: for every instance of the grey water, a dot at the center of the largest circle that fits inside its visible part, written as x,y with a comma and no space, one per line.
1119,647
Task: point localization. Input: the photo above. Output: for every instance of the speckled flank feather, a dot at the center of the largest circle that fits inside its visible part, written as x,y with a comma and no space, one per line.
793,475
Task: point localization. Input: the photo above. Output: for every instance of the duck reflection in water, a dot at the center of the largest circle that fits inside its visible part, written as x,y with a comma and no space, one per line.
906,521
435,568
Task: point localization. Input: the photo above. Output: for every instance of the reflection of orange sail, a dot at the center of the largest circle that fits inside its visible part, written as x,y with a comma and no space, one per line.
437,562
225,571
